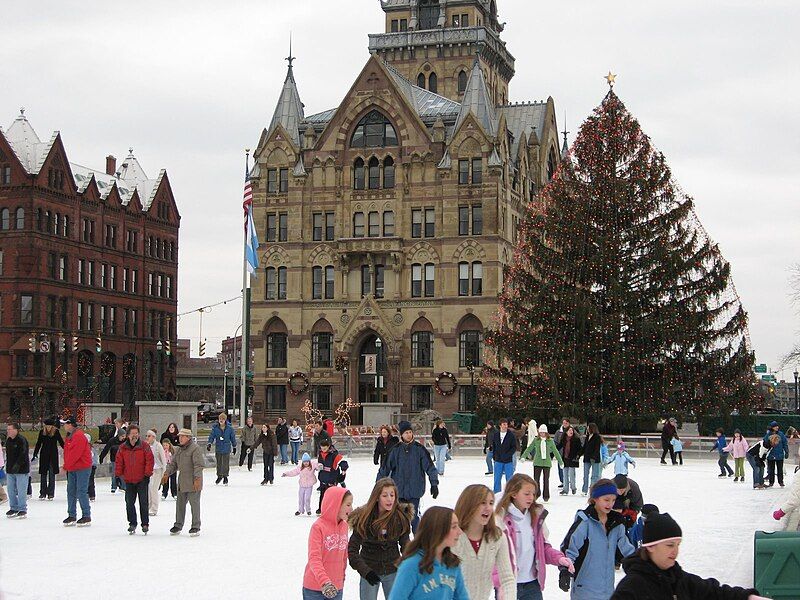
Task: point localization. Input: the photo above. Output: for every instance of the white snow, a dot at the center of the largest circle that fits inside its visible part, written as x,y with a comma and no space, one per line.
253,546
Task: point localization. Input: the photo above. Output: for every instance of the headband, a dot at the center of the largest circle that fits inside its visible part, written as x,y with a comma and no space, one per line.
608,489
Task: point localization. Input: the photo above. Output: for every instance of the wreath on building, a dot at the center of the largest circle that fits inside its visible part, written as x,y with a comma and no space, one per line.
445,383
107,365
128,367
84,365
297,383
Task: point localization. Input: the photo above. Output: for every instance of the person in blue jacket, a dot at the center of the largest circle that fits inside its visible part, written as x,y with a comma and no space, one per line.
407,465
592,544
224,439
504,447
719,446
777,454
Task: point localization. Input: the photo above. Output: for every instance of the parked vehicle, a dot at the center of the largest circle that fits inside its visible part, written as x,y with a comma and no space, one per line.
207,413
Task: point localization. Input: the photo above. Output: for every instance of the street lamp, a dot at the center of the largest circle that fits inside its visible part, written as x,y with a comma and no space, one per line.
796,394
159,345
378,344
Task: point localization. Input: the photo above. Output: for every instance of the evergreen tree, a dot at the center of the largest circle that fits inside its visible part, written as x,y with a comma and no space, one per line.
617,303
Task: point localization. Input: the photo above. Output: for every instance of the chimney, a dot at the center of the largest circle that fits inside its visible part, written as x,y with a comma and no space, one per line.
111,165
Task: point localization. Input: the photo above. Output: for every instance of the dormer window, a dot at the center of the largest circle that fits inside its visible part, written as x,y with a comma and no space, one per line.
374,131
428,14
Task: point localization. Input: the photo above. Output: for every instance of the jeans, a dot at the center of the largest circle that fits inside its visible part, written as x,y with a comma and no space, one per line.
544,473
243,453
18,491
171,483
415,520
595,469
723,464
116,482
317,595
772,466
284,448
269,466
134,491
489,461
560,474
569,479
679,456
439,454
501,469
295,452
370,592
153,497
529,591
47,486
78,492
758,470
223,464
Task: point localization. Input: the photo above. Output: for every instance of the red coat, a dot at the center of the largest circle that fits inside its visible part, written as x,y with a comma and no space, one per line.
77,452
134,463
328,425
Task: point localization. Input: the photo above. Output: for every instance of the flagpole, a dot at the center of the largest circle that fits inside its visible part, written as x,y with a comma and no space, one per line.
245,345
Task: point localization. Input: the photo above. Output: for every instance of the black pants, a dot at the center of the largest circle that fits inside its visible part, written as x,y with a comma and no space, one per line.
772,466
544,473
132,492
91,493
47,487
679,456
323,487
667,447
269,466
173,483
249,456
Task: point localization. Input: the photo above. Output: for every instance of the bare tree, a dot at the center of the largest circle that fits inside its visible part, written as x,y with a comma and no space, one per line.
793,357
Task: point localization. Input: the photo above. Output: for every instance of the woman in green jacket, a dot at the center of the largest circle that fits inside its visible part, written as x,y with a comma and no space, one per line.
542,449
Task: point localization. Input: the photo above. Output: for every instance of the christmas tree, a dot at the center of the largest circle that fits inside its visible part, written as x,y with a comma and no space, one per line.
617,304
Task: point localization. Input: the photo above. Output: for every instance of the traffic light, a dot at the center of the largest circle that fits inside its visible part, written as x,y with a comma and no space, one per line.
98,343
62,343
202,347
168,347
74,343
251,391
32,342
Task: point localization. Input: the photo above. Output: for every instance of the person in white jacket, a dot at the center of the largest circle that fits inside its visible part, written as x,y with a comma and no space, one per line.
791,506
159,464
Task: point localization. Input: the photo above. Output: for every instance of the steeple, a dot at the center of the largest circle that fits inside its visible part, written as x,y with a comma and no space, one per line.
478,102
289,111
565,147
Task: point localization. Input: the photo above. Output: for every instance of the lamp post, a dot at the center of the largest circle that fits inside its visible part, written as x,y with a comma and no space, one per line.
378,345
796,394
159,347
344,378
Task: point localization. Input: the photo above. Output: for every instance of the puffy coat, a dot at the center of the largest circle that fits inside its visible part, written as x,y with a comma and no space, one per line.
542,459
621,461
413,584
645,581
327,545
668,431
632,499
375,551
112,446
575,451
224,440
17,460
737,447
267,441
295,433
780,451
318,437
677,445
382,449
308,477
408,464
134,462
331,467
46,450
77,452
759,452
249,434
793,501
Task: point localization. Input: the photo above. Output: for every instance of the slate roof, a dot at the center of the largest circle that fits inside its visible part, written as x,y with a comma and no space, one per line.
477,101
522,118
289,111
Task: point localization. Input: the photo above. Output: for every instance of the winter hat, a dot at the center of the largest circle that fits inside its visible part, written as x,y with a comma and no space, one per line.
604,490
621,446
185,431
403,426
621,481
660,528
70,421
543,428
305,457
150,432
49,421
649,509
773,424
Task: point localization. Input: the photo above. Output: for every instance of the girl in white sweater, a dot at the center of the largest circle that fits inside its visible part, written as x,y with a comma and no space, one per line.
483,549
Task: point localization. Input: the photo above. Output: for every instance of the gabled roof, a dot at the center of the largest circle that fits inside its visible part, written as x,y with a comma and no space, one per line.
289,111
523,118
477,101
30,150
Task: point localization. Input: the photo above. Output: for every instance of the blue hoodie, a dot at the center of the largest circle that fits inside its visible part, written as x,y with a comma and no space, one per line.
224,440
781,451
720,444
443,583
621,460
677,445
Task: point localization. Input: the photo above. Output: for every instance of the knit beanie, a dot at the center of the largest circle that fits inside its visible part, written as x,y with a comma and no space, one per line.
543,428
305,457
403,426
660,528
648,510
621,446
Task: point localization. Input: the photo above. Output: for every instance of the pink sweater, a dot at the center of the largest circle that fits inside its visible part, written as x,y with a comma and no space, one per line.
738,449
308,477
327,544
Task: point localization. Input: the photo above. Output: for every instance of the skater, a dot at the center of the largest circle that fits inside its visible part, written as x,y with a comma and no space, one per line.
3,477
224,440
327,424
571,450
629,500
408,464
557,437
504,451
595,537
381,529
248,435
483,549
171,434
269,448
756,456
18,472
323,578
738,446
677,447
523,521
134,466
78,465
621,459
295,440
779,450
653,573
719,446
383,446
488,434
542,449
111,448
319,435
635,532
668,431
172,482
188,463
282,436
159,465
332,469
46,450
790,505
91,489
429,569
306,471
441,445
592,458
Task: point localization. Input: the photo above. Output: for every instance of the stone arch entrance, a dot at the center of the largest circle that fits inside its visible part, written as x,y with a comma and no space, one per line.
370,352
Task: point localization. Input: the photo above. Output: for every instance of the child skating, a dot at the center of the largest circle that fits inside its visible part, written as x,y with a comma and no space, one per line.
677,448
738,448
331,468
719,446
621,459
306,471
541,449
327,548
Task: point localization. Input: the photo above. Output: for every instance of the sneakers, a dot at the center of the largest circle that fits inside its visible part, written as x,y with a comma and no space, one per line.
175,531
194,531
218,480
12,513
69,521
84,521
224,481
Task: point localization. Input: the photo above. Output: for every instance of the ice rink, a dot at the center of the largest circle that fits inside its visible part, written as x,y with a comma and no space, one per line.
252,545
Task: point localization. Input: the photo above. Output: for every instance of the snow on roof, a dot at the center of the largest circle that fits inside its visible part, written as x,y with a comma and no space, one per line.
30,150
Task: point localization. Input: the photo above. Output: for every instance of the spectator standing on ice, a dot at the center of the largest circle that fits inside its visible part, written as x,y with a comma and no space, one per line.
541,450
134,466
188,462
383,445
778,452
668,431
282,436
110,449
571,449
441,445
408,464
159,465
504,447
488,434
224,440
306,472
46,450
248,435
269,448
78,465
18,472
557,437
738,447
592,460
295,440
719,446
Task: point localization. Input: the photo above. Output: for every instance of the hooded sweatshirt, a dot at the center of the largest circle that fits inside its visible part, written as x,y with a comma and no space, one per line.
327,545
308,476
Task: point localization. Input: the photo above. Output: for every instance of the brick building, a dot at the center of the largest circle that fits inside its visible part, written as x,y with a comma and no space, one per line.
88,278
386,222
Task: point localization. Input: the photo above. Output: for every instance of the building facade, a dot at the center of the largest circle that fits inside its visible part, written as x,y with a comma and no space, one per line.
386,222
88,279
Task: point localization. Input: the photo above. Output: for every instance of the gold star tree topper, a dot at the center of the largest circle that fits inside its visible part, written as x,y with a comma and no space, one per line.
611,78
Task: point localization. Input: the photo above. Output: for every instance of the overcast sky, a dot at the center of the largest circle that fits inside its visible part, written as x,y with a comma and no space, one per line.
191,84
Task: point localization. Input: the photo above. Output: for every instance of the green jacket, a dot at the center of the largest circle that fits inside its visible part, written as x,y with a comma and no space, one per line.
534,449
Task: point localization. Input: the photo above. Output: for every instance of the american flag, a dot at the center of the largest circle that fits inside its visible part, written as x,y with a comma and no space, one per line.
250,236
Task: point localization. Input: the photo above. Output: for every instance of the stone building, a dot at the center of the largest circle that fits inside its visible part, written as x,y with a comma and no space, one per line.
386,222
88,278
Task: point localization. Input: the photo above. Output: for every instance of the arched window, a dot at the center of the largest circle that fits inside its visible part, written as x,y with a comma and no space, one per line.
358,174
20,218
374,131
470,348
65,224
276,350
374,173
421,81
462,81
551,164
5,219
428,14
433,83
388,172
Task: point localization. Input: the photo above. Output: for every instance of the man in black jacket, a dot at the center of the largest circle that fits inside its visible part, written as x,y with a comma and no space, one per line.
319,435
111,447
487,447
504,446
18,472
282,437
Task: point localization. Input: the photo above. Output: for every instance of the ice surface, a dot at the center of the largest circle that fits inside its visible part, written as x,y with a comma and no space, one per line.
252,545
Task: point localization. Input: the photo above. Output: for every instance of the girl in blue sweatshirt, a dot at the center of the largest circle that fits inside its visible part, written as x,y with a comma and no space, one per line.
429,570
621,459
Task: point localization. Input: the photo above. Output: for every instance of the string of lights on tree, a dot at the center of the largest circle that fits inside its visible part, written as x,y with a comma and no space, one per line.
617,303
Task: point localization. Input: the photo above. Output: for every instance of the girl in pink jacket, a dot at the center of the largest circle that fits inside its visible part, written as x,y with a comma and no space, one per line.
308,479
738,447
327,548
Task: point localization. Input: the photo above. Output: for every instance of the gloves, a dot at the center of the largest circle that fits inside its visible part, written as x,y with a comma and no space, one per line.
372,578
434,491
564,579
567,563
234,451
329,590
208,448
778,514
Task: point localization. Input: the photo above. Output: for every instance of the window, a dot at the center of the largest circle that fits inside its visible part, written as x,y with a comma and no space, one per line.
90,268
374,224
168,280
321,395
316,227
464,175
329,226
388,223
321,350
5,219
477,279
374,131
329,283
111,236
470,279
388,173
374,173
22,365
1,264
112,320
429,280
272,227
477,170
416,223
463,172
150,283
64,312
276,350
403,24
379,281
428,14
395,26
467,398
433,82
20,218
88,230
477,219
276,283
463,220
465,20
112,277
51,311
51,265
65,226
456,20
358,174
422,349
81,317
134,324
272,181
103,318
416,281
421,81
82,276
316,283
104,276
430,222
62,268
358,225
283,227
276,397
470,348
421,397
463,279
26,309
5,175
134,282
551,165
366,281
284,173
90,316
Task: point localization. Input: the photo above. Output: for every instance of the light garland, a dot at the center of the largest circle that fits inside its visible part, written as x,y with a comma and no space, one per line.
445,375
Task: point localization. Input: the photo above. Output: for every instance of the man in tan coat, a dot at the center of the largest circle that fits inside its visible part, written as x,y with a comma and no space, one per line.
188,462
